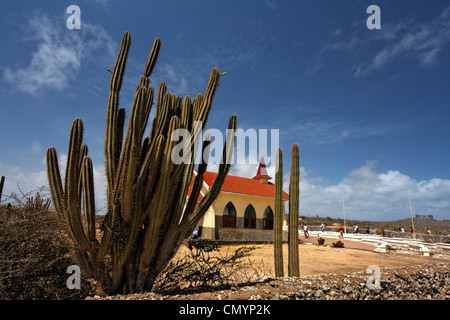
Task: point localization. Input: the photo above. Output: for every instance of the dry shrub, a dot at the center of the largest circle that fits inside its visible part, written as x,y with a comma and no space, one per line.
205,268
34,254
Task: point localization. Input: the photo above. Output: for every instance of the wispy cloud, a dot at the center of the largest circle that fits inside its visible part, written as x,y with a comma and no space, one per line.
421,41
58,56
272,4
328,132
189,73
407,38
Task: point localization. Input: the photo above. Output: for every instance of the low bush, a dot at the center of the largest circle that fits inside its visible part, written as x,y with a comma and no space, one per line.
34,255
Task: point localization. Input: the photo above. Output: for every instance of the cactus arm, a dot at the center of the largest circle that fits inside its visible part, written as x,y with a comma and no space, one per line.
112,133
186,113
54,181
207,100
119,140
131,155
191,220
87,178
150,169
147,108
159,205
152,58
294,192
198,182
139,194
162,89
278,221
72,196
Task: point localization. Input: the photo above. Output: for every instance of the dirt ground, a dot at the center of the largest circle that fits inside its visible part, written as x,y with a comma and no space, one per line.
355,256
317,263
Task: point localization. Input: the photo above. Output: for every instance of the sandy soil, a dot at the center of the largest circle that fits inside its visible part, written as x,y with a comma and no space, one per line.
316,263
355,256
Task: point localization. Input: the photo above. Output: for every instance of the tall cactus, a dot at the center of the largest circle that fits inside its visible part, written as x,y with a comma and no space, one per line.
294,191
147,216
278,221
2,182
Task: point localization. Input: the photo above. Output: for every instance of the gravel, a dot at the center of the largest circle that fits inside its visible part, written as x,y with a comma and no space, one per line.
417,282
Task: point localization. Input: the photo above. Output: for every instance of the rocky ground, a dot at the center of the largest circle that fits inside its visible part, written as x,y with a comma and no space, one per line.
333,274
419,282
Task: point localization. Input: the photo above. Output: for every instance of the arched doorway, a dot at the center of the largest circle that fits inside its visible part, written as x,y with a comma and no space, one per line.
268,218
229,216
250,217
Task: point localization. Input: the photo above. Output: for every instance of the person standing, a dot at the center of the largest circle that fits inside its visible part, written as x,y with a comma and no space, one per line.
305,230
367,229
341,232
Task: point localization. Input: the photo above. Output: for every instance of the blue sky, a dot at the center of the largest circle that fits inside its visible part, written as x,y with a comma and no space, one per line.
369,108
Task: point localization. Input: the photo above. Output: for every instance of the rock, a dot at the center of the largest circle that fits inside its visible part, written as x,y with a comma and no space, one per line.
256,297
347,289
318,294
326,288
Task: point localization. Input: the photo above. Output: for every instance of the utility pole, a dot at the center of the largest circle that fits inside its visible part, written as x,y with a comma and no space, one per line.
412,220
343,209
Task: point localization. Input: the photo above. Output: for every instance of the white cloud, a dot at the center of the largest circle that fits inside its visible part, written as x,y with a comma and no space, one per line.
29,181
368,194
58,56
376,196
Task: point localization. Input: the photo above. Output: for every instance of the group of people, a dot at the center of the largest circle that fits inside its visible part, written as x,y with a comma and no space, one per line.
355,230
412,230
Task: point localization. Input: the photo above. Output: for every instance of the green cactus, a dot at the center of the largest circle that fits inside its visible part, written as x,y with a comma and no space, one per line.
294,192
147,216
278,219
2,182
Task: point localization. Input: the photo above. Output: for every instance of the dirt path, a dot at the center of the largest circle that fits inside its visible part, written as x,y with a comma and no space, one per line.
356,256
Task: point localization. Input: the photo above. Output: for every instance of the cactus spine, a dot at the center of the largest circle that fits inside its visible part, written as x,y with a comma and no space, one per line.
278,221
294,191
147,217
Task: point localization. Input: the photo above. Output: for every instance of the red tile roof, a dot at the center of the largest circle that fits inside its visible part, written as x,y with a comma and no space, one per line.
241,185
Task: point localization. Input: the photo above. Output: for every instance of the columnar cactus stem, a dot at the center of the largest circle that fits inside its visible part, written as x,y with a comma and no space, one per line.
294,192
147,216
278,219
